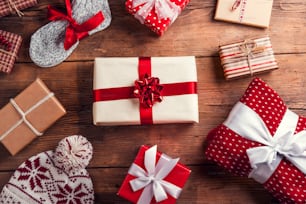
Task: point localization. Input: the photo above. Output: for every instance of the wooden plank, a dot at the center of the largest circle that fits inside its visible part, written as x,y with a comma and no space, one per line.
193,33
207,184
72,84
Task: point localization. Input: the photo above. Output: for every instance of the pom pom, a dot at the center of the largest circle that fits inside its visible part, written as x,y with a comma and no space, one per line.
73,153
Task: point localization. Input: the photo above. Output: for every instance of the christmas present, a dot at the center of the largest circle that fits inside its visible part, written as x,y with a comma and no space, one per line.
249,12
247,58
9,47
157,15
264,140
129,91
27,115
154,178
14,6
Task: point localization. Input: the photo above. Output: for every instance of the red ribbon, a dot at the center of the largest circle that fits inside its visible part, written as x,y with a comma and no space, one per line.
74,31
144,69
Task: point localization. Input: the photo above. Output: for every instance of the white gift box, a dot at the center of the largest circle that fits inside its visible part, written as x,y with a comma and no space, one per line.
119,74
250,12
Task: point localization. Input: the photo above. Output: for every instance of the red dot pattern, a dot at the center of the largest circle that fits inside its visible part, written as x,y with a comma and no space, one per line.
228,149
152,21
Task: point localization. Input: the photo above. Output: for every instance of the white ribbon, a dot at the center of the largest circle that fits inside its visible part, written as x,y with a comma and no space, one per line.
151,178
23,116
265,159
163,9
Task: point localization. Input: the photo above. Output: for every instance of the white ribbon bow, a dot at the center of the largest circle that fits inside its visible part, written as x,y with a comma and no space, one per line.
151,178
163,9
265,159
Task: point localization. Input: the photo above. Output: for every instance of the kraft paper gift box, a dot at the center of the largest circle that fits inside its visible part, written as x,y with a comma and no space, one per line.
156,15
28,115
262,139
9,47
150,166
15,6
132,90
249,12
247,57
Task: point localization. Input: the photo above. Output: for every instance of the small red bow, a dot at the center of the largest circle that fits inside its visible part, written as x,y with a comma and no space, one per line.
74,31
5,44
148,90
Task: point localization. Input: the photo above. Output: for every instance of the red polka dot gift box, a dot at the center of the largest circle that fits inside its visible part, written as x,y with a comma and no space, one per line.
264,140
158,15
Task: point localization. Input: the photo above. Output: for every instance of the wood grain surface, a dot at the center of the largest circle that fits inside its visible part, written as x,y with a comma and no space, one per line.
193,33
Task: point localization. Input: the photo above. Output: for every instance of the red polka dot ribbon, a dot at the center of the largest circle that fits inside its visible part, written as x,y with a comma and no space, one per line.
147,89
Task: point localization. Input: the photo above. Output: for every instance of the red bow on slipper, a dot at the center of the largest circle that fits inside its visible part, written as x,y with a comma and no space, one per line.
74,30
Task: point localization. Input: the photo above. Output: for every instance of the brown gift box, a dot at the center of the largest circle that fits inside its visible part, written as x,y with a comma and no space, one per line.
41,110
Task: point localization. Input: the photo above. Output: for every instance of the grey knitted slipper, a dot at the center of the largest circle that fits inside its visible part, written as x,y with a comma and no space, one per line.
47,47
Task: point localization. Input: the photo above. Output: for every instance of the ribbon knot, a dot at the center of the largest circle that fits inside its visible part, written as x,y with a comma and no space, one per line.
163,9
148,90
151,179
265,159
13,8
248,48
277,149
74,30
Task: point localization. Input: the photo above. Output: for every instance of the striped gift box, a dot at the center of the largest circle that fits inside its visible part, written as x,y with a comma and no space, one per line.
14,6
9,47
247,58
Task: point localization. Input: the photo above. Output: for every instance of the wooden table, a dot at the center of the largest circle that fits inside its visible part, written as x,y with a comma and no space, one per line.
193,33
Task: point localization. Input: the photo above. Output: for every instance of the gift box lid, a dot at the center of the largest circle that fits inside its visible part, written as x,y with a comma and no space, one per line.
114,85
14,132
178,176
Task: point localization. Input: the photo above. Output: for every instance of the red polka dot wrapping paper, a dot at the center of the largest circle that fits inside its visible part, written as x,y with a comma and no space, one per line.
20,5
228,149
159,26
7,60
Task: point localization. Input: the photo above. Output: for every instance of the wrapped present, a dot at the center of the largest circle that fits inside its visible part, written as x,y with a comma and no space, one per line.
264,140
249,12
129,91
157,15
15,6
9,47
28,115
154,178
247,58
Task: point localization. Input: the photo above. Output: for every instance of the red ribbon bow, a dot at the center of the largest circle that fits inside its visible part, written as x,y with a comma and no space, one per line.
148,90
74,30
